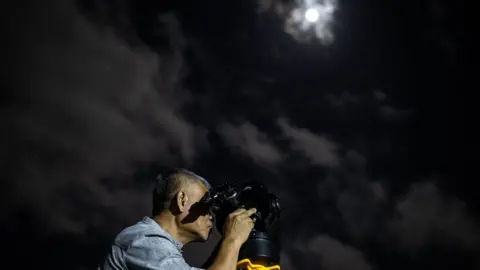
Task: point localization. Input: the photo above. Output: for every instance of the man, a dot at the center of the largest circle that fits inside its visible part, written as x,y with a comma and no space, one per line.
156,242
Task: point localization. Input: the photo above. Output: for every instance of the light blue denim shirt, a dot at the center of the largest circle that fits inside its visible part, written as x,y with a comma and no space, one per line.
143,246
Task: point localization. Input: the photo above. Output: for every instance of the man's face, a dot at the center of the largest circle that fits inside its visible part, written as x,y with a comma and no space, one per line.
197,220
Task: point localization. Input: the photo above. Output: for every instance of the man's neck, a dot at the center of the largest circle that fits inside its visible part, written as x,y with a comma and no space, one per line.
169,224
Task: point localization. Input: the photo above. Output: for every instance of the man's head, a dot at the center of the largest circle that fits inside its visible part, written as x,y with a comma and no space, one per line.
177,195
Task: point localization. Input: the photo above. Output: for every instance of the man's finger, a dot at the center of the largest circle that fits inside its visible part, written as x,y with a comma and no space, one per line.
249,212
238,212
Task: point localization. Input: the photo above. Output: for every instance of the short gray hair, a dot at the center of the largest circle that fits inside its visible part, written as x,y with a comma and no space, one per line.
167,187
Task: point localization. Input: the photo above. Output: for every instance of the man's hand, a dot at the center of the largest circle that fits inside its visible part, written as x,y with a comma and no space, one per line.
238,225
236,230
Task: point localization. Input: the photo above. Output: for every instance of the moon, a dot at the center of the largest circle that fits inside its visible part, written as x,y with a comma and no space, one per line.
312,15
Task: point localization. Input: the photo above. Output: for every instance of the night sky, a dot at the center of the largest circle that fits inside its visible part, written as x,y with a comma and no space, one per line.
358,124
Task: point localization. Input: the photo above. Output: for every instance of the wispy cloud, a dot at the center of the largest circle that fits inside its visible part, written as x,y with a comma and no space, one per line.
84,104
251,142
426,215
319,149
331,254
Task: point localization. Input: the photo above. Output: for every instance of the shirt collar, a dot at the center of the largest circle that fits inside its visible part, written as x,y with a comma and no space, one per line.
161,231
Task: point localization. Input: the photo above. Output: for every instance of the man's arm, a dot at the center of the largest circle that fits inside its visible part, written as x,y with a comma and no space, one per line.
225,256
237,227
214,254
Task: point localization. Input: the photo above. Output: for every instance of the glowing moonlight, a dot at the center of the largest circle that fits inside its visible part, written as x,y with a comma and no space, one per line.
312,19
312,15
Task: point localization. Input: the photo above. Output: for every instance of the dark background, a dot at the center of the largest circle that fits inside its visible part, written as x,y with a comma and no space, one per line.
367,140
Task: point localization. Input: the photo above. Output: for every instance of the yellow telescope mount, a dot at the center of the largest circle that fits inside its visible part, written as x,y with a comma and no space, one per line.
257,264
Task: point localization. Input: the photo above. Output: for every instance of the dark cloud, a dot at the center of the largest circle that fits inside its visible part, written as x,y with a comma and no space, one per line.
361,208
348,102
344,99
252,142
332,254
425,215
280,7
319,149
286,261
85,105
391,113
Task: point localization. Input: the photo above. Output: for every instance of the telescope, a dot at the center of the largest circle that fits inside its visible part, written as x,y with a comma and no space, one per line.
261,251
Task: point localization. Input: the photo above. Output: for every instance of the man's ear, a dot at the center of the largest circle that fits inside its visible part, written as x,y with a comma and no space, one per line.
182,200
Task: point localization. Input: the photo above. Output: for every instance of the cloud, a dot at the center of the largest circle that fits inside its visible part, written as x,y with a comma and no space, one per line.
251,142
361,208
278,6
360,201
343,100
379,95
83,105
286,262
379,102
320,150
331,254
392,113
295,24
426,215
303,30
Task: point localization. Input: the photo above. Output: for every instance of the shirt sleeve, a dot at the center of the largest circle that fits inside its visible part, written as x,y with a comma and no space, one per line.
155,253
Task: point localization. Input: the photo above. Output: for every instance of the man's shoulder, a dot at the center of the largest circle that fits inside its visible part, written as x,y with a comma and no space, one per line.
141,232
149,245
